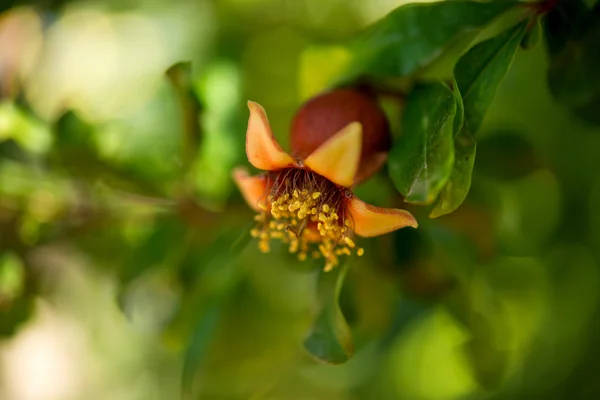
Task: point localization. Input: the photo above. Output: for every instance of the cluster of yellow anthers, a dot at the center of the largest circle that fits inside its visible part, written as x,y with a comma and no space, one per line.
292,218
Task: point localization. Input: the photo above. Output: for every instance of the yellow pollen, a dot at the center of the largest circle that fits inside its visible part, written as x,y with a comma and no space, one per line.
300,218
349,242
360,251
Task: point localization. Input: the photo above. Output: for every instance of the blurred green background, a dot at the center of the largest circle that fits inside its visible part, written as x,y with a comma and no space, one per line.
118,279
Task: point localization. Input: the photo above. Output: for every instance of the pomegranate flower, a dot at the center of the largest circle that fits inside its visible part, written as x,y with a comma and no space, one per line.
307,202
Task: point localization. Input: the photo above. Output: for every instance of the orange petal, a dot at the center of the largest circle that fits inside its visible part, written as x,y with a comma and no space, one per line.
253,188
373,221
262,149
337,159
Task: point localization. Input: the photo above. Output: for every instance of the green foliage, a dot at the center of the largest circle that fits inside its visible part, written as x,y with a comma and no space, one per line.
421,160
330,340
139,205
480,71
415,34
457,186
478,74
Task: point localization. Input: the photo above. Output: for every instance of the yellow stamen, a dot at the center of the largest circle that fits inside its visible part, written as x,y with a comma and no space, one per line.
349,242
301,219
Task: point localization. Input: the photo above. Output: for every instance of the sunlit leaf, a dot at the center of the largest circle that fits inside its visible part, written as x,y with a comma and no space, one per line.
330,339
415,34
421,160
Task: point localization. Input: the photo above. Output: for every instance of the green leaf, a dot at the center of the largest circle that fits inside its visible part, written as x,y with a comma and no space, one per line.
415,34
459,118
421,160
480,71
573,34
330,339
457,188
478,75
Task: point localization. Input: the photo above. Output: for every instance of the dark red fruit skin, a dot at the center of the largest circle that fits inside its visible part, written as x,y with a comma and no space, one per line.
324,115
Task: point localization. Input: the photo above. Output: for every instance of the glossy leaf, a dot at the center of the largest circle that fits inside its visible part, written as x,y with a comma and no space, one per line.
478,75
421,160
457,188
330,340
415,34
480,71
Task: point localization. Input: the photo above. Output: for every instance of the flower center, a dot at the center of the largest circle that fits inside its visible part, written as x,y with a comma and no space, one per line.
307,212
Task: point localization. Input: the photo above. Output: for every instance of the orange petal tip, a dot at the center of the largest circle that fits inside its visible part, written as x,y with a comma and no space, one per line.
372,221
262,148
